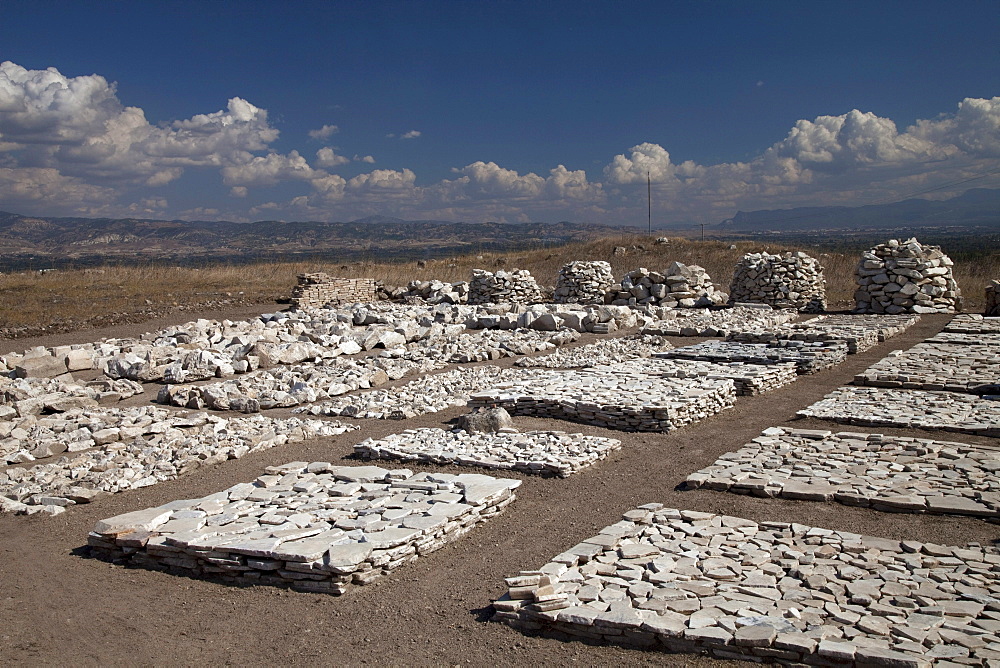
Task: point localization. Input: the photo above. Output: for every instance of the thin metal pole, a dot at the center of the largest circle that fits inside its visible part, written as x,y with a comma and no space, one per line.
649,205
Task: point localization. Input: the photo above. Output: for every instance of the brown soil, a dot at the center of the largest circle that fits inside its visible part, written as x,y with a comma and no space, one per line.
58,606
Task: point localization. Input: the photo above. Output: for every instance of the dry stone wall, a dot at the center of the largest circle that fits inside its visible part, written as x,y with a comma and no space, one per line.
793,280
319,289
993,298
583,282
678,286
898,277
517,286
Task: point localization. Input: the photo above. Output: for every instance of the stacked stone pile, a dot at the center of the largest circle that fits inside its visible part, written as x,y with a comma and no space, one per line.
583,282
538,452
859,332
792,280
678,286
749,379
808,356
920,409
552,317
517,286
973,323
438,292
30,396
955,367
686,581
610,351
993,298
717,323
617,401
898,277
136,447
319,289
310,526
897,474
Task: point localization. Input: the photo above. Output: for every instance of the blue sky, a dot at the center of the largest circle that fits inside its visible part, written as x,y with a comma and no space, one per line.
480,111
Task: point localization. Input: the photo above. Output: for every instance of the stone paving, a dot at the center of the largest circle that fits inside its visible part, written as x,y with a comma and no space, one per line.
609,351
750,379
859,332
685,581
938,366
310,526
973,323
539,452
716,322
113,450
808,356
614,400
895,474
920,409
991,339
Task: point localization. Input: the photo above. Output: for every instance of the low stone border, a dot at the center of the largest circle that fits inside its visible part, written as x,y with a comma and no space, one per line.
313,527
540,452
685,581
808,356
895,474
938,366
922,409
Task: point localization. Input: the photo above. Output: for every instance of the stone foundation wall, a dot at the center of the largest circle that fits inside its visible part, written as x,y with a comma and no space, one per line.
319,289
905,277
792,280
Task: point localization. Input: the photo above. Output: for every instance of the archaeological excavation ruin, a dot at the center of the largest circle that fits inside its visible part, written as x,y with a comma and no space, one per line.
331,446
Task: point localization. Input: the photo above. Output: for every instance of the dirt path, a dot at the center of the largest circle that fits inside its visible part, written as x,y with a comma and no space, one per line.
58,606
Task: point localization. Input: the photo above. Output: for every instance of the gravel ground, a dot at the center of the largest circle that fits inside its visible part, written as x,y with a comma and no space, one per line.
58,606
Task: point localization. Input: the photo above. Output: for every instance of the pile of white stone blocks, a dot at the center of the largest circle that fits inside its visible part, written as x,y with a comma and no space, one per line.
538,452
517,286
693,582
23,397
109,450
920,409
808,356
955,367
552,317
717,322
859,332
627,402
582,282
993,298
438,292
309,526
889,473
678,286
750,379
319,289
905,277
792,280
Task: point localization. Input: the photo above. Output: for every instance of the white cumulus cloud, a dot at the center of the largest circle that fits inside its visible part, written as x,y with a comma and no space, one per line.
324,132
327,157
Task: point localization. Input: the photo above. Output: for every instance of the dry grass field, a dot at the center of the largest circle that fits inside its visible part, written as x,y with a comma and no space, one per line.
67,300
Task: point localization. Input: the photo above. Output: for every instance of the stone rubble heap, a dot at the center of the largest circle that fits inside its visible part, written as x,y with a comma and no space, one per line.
538,452
609,351
792,280
430,394
494,345
808,356
717,322
517,286
973,323
938,366
693,582
992,297
905,277
552,317
319,289
613,400
30,396
137,447
678,286
895,474
438,292
919,409
859,332
309,526
750,379
583,282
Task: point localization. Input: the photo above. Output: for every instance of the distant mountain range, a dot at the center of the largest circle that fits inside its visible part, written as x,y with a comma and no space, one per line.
979,207
38,242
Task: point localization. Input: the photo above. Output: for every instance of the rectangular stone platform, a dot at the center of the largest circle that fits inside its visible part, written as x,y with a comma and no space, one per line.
859,332
750,379
808,356
895,474
922,409
539,452
617,401
973,323
310,526
938,366
693,582
718,322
